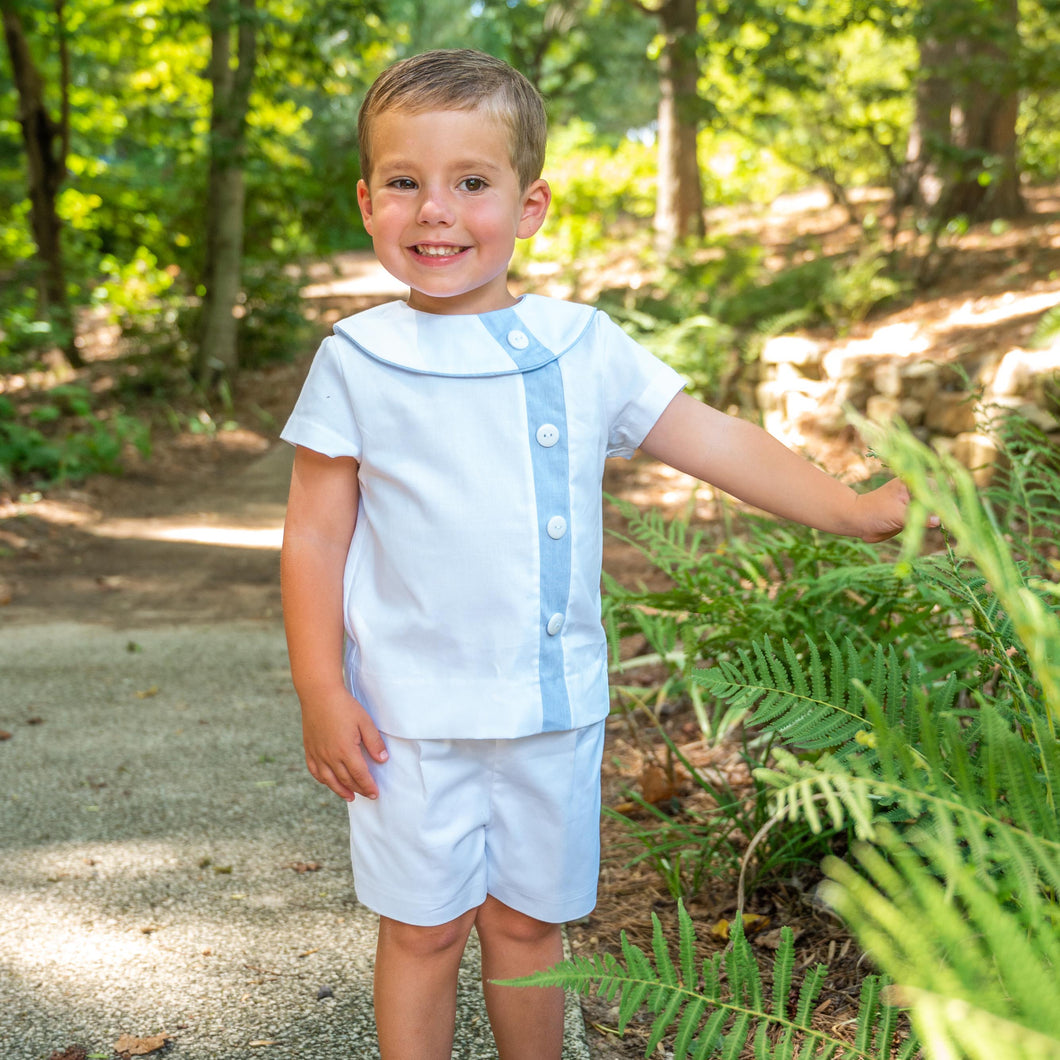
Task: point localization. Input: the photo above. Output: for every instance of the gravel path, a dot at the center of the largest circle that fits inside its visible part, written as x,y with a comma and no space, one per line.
168,865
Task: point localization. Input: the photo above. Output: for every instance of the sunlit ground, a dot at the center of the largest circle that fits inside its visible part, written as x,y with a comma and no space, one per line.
189,532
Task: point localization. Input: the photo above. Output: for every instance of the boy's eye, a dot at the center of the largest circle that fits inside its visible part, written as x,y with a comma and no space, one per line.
402,184
473,184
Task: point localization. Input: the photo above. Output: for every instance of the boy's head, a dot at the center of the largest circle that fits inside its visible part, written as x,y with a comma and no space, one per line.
461,79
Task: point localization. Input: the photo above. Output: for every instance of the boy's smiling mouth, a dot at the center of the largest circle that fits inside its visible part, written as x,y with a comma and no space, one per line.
434,251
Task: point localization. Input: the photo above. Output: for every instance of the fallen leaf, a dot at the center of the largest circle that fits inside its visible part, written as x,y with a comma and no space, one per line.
71,1052
894,994
305,866
771,939
655,785
4,735
5,594
752,923
147,693
110,582
135,1046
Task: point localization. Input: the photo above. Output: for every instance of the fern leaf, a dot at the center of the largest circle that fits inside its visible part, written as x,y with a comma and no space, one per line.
687,942
736,1037
672,1005
686,1030
783,967
723,1013
664,967
710,1039
824,711
808,993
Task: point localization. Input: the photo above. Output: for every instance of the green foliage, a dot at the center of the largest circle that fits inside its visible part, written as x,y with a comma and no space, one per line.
760,579
981,865
825,88
274,326
915,704
1047,330
709,316
688,845
598,189
721,1007
77,441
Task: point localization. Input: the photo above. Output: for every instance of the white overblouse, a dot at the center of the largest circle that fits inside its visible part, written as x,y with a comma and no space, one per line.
471,590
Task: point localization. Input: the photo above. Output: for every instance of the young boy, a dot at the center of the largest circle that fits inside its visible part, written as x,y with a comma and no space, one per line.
445,522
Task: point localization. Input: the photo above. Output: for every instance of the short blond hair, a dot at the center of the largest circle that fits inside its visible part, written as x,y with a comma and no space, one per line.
461,79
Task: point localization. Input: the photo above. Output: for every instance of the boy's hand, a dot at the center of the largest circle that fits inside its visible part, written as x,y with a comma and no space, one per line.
881,513
337,733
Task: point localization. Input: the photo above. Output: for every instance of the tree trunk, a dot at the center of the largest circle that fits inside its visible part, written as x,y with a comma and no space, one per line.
46,141
222,273
679,198
963,148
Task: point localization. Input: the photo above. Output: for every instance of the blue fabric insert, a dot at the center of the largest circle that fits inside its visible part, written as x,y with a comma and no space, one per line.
543,388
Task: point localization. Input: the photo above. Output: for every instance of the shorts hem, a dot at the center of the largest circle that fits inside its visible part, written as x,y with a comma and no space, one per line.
394,907
547,910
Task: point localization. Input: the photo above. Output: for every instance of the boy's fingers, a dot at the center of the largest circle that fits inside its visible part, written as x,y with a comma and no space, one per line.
362,782
325,775
373,744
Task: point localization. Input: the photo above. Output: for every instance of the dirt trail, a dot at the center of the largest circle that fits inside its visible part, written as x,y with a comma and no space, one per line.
151,549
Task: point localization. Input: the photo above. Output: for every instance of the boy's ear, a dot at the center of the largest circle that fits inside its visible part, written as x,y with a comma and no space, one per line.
536,199
364,201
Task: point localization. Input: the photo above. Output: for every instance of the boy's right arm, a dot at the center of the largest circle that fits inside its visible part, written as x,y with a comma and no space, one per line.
321,515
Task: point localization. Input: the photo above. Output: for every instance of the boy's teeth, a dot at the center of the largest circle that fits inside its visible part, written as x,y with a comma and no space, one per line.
438,252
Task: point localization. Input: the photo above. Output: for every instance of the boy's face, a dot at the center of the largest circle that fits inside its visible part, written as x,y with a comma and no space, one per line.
443,207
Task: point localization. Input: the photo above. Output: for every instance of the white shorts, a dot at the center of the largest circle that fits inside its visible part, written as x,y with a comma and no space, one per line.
457,820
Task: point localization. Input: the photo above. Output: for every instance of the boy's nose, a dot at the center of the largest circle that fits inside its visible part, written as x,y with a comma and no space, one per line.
434,211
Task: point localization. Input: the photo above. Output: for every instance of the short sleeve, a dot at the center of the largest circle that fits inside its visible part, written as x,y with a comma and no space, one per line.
324,418
638,387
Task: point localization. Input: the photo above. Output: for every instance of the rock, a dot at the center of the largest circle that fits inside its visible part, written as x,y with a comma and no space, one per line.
951,412
792,349
978,453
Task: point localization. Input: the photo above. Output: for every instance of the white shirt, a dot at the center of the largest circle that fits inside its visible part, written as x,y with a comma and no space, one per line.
471,591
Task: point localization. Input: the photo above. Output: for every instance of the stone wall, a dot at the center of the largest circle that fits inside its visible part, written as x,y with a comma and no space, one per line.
806,386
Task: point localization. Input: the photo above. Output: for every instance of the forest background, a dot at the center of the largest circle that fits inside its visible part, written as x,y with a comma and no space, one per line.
171,169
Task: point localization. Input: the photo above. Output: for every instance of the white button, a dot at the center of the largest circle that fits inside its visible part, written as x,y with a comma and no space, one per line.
554,624
518,340
547,435
556,527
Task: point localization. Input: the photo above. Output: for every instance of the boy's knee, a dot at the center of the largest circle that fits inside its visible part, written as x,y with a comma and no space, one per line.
424,942
501,921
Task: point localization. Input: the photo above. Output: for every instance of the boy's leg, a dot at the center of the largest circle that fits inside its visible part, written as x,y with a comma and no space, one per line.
527,1022
415,987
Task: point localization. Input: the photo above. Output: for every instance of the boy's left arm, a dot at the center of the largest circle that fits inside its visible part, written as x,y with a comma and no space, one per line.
750,464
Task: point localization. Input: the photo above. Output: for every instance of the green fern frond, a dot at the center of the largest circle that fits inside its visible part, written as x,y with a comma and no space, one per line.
957,500
978,952
712,1014
812,704
1047,330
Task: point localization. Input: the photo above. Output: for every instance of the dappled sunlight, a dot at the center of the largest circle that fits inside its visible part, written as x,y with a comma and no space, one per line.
937,329
195,533
989,310
94,956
